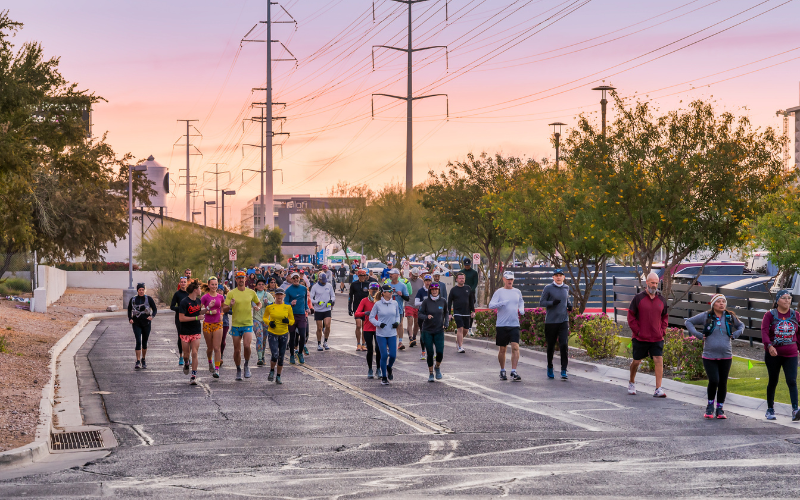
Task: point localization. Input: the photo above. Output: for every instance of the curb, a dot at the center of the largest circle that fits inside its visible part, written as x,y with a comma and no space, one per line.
39,448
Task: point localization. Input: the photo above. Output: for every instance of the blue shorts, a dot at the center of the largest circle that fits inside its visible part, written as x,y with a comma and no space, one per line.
238,331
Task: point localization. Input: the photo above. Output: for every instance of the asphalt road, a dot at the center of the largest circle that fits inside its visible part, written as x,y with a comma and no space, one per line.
329,432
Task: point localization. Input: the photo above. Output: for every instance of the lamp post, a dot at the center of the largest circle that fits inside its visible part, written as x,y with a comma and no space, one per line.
557,133
130,292
229,193
195,213
603,103
205,206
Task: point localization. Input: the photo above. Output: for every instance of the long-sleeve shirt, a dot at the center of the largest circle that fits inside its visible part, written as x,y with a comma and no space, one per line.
175,303
784,329
277,313
470,278
435,308
298,293
551,293
359,290
509,304
386,313
322,297
362,312
717,344
461,301
647,317
139,308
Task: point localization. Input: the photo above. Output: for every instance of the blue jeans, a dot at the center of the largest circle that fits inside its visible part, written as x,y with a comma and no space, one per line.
383,344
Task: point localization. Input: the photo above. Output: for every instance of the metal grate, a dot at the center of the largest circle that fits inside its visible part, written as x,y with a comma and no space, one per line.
76,440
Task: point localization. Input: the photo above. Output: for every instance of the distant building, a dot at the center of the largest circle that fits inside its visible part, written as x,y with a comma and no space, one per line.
288,212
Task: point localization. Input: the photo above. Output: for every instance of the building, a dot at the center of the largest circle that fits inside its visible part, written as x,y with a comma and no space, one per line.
288,212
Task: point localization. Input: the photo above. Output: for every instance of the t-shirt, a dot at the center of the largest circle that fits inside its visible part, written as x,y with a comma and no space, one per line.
277,313
400,289
213,304
783,334
191,308
242,311
266,299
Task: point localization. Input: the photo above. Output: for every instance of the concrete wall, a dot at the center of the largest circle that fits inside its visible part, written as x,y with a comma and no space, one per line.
54,281
109,279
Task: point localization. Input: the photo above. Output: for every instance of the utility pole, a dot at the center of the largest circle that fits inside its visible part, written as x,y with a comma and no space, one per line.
410,90
603,103
229,193
557,134
216,175
188,173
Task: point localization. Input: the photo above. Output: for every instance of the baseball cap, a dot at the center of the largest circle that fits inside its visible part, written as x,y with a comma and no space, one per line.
279,291
427,277
261,280
394,271
387,288
374,286
467,261
361,272
295,275
241,274
509,275
436,272
323,278
415,271
558,271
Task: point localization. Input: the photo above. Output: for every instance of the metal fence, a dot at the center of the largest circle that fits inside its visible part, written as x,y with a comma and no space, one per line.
532,280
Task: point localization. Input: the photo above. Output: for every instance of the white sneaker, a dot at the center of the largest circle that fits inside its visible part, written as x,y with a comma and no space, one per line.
631,389
461,350
660,393
471,333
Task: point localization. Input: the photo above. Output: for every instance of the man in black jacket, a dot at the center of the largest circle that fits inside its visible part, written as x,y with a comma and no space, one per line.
177,297
358,290
471,280
461,302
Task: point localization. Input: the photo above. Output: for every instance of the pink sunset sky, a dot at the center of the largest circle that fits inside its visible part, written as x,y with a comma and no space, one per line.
514,67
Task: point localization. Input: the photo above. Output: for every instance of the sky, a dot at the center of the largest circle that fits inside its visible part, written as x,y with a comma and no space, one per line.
511,67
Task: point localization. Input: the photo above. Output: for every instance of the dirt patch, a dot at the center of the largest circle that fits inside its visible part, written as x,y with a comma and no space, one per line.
24,366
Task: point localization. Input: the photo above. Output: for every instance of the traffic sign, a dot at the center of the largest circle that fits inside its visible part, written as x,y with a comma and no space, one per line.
406,265
232,254
476,259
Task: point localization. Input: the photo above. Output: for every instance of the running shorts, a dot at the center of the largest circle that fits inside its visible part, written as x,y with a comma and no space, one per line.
462,321
411,312
643,349
319,316
190,338
507,335
238,331
211,327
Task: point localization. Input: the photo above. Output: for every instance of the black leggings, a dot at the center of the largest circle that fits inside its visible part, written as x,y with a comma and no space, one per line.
717,371
297,333
372,346
142,333
560,332
434,341
180,344
774,365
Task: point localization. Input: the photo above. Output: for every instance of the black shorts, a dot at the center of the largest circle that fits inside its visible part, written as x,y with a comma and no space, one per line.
462,321
507,335
319,316
642,350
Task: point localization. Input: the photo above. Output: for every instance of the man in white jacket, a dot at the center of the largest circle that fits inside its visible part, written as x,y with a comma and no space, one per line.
323,297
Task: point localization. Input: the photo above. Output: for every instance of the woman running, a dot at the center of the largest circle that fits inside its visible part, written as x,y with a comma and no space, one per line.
174,304
141,311
212,325
362,312
719,327
385,315
278,316
259,332
432,313
779,332
191,314
226,325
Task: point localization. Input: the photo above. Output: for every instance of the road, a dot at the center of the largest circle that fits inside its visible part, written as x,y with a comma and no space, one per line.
329,432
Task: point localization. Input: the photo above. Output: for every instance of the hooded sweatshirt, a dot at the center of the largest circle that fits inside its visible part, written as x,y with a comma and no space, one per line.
386,312
436,307
551,293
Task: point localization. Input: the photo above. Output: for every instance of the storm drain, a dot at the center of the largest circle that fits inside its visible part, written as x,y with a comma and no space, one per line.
76,440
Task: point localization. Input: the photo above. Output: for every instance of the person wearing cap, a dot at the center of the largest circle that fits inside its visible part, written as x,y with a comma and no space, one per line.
648,319
278,317
297,297
461,304
242,302
359,290
265,298
401,295
386,273
361,313
419,298
323,298
558,303
471,280
437,276
212,324
141,311
174,304
718,327
410,311
510,306
433,310
385,316
779,334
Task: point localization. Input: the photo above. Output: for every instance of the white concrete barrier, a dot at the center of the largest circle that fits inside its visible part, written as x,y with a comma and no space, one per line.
54,281
109,279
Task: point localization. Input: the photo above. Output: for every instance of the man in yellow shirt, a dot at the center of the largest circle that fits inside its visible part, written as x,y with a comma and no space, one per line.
241,302
278,317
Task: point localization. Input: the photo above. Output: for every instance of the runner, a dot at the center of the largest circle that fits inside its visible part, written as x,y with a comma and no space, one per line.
323,298
226,326
461,303
242,302
720,327
297,297
259,332
779,334
437,276
510,305
190,314
385,316
174,304
556,299
212,325
278,317
359,290
187,273
362,313
342,278
471,280
141,311
400,296
419,298
433,313
411,311
647,318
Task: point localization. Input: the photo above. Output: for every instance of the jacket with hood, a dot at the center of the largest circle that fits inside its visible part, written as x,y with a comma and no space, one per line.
386,313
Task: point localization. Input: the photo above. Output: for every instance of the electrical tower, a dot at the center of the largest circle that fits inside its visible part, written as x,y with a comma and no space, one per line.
216,175
409,95
188,175
267,189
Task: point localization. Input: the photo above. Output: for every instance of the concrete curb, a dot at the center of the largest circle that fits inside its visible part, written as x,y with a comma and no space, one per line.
40,448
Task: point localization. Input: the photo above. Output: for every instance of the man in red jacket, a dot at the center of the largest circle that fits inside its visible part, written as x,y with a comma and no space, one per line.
647,317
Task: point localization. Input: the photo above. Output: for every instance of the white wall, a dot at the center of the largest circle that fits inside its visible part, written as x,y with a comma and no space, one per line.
109,279
54,281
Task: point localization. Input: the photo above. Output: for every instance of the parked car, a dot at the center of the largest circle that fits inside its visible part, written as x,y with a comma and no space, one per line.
751,284
713,274
376,266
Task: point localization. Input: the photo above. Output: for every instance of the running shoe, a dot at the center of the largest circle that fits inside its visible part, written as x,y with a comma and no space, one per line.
384,381
423,356
471,333
709,411
412,343
319,347
795,415
144,364
247,373
260,362
220,363
193,380
631,389
291,359
358,347
210,367
564,375
305,350
430,378
515,377
461,350
216,373
550,373
770,415
186,367
301,359
660,393
271,375
278,380
325,346
401,346
238,373
503,375
720,412
438,372
389,373
138,365
180,361
370,374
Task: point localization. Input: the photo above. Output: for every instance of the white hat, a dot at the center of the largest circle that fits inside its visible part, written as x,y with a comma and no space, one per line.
394,271
436,272
509,275
415,271
295,275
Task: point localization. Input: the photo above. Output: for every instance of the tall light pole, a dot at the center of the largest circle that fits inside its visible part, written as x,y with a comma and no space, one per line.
603,103
229,193
557,132
130,292
195,213
205,206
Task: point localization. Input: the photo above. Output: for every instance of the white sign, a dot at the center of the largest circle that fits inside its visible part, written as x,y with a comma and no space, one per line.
232,254
406,265
476,259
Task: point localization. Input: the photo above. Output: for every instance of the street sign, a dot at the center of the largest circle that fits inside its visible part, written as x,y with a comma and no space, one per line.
406,265
476,259
232,254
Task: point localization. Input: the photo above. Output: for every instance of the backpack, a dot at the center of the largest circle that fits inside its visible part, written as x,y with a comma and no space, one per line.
711,320
142,310
783,337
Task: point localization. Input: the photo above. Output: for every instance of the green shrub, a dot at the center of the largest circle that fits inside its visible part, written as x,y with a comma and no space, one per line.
3,344
485,322
16,285
599,336
166,284
531,325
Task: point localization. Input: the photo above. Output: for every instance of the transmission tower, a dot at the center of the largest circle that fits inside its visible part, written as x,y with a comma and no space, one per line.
188,175
409,98
216,175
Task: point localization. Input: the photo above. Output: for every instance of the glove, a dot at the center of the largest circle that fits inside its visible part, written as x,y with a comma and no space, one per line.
556,302
285,320
394,325
350,312
383,325
272,324
569,307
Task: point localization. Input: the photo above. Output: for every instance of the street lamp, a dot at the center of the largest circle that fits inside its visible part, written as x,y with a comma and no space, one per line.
603,103
558,136
229,193
130,292
195,213
205,206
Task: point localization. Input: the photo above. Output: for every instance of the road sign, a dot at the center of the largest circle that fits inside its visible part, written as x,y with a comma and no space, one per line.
406,265
232,254
476,259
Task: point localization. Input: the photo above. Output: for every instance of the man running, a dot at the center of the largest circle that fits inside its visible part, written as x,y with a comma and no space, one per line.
419,298
647,318
411,311
174,304
400,296
510,305
471,280
437,276
242,302
462,304
556,299
297,297
359,290
323,298
141,311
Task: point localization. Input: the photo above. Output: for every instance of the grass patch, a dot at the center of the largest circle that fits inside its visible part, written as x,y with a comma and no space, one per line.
3,344
15,286
752,382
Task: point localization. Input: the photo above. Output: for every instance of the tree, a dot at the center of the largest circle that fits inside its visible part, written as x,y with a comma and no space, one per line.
682,182
396,217
344,219
459,199
778,230
272,240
